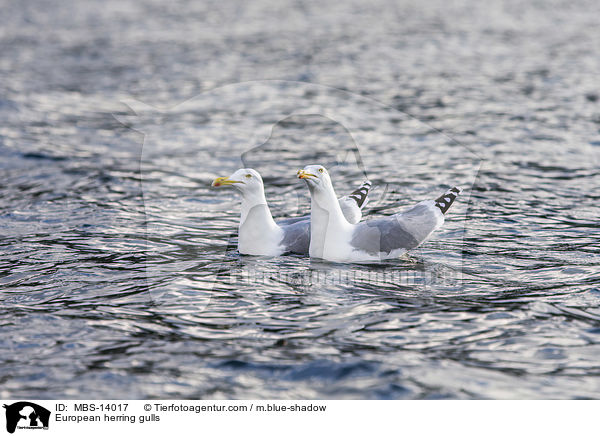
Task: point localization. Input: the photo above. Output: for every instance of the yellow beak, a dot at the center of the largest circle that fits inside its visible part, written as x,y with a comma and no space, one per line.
224,181
304,174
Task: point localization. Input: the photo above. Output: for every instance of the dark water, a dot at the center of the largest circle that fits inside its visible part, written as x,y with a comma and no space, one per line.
117,274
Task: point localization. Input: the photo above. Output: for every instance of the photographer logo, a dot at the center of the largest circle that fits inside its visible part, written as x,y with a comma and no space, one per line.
24,415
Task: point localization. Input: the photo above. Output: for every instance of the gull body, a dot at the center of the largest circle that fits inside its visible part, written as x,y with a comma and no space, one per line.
334,239
259,234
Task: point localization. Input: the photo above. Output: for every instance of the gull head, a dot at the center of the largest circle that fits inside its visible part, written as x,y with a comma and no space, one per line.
316,177
245,180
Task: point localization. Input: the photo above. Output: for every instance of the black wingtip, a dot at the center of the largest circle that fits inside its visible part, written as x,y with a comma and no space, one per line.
445,201
360,195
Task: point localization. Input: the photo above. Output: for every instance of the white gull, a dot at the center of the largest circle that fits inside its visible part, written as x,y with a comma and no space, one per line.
334,239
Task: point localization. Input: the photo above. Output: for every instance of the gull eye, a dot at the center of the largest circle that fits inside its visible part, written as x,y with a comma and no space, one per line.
248,176
321,170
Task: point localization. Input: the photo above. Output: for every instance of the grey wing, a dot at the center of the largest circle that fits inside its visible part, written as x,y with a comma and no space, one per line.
404,230
352,204
292,220
296,237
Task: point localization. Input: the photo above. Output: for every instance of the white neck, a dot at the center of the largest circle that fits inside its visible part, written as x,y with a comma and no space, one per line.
251,200
259,234
328,226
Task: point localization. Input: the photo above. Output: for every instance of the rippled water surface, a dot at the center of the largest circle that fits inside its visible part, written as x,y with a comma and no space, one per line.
118,270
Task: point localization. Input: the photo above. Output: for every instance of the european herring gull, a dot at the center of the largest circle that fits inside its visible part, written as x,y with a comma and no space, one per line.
334,239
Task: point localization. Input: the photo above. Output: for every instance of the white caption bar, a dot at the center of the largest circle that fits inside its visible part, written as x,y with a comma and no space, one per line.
160,417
